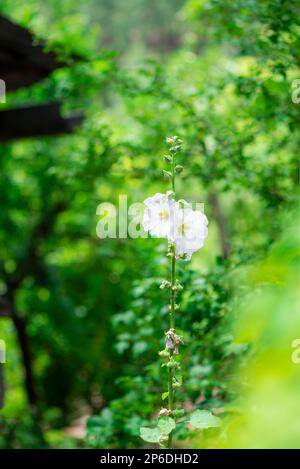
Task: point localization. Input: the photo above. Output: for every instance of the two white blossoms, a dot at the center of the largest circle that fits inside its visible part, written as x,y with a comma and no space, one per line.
184,227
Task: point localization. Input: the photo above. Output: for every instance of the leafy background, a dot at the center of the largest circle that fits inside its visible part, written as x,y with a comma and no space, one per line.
219,74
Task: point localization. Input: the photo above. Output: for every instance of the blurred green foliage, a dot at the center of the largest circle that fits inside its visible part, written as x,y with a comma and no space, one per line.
219,75
207,356
266,382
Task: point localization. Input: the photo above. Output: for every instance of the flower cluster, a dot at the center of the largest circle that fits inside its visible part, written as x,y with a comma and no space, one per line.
181,225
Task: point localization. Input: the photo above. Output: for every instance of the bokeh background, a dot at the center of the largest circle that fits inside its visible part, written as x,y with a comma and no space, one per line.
219,75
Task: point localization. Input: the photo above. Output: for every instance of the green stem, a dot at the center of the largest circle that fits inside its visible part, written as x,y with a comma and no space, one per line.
172,325
172,313
173,174
170,390
172,296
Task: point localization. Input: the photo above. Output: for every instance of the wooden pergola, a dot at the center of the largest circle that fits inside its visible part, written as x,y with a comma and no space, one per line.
24,62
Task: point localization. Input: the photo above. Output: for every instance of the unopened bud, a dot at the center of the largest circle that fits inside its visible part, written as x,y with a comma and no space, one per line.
167,174
163,439
178,169
165,284
174,149
171,140
178,287
164,354
168,158
164,412
173,364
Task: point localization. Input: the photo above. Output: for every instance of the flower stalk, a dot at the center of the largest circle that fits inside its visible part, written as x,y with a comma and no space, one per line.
185,229
175,146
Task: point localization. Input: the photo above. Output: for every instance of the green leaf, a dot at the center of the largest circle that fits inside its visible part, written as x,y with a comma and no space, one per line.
165,395
167,173
203,419
166,425
151,435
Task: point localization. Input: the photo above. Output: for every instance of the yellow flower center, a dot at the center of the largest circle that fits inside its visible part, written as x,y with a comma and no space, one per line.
163,215
182,229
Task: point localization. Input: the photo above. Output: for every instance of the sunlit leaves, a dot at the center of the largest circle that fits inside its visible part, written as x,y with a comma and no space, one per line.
203,419
151,435
165,425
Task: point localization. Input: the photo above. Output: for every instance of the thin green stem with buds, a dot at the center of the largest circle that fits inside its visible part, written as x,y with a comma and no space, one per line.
174,141
172,212
167,417
172,326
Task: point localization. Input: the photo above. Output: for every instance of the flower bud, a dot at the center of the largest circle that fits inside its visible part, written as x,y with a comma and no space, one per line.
178,169
171,140
176,385
167,174
175,148
178,287
164,354
165,284
164,412
163,439
173,364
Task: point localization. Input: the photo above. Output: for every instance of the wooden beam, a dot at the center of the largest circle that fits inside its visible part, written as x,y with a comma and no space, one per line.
36,121
23,61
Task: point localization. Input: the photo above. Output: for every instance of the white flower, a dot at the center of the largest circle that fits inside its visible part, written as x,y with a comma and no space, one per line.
188,232
159,215
184,227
